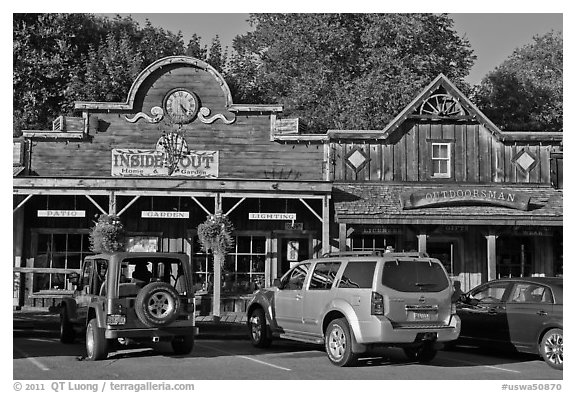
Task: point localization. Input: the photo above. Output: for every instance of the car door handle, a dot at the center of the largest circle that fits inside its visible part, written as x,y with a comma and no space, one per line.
298,297
542,313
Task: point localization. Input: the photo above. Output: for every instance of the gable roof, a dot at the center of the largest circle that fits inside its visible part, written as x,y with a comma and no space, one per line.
441,81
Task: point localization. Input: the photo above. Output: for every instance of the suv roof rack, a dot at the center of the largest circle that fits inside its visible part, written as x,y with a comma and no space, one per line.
413,254
352,254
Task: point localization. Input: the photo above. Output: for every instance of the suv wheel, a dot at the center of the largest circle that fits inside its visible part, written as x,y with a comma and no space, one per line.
422,354
338,343
259,329
552,347
157,304
67,333
183,345
96,343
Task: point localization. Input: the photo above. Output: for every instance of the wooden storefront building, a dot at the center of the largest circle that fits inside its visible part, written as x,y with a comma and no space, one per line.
440,178
175,152
443,179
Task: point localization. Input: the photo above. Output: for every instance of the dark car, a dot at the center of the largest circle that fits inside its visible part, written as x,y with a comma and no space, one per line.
524,314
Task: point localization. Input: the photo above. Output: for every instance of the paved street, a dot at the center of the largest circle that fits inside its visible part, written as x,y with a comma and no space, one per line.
39,355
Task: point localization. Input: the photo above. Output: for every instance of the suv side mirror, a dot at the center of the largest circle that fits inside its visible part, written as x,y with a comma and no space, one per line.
276,282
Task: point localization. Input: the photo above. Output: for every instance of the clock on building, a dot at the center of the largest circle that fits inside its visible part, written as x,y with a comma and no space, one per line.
181,105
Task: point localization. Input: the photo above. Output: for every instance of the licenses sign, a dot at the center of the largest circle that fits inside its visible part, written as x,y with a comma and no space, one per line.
62,213
165,214
272,216
454,196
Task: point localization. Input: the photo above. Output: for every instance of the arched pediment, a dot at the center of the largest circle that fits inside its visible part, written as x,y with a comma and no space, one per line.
152,68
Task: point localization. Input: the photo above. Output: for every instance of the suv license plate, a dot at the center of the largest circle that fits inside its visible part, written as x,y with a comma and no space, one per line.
421,316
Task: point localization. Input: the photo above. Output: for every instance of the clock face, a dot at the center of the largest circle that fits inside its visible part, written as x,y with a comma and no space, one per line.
181,105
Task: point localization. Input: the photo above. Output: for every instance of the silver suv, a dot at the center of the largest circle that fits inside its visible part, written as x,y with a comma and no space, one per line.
353,302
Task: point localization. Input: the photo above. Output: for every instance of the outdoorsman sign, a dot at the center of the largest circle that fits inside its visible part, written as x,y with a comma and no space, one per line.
452,196
140,162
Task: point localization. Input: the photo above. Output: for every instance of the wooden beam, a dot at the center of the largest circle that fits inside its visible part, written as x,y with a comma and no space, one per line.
201,205
312,210
128,205
22,203
235,206
44,270
95,204
164,186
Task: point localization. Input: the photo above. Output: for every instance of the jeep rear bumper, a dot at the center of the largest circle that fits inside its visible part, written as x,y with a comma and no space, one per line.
152,332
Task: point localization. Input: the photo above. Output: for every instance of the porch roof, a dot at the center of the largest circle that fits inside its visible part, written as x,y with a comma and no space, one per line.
377,203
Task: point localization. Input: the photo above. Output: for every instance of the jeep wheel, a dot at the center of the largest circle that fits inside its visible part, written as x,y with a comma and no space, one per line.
96,343
157,304
259,334
338,343
552,348
422,354
67,333
183,345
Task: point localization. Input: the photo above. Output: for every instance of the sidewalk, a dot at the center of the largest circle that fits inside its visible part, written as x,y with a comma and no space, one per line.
230,325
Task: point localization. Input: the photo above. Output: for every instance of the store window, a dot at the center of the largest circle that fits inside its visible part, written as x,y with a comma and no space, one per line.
441,160
243,270
59,252
371,242
244,267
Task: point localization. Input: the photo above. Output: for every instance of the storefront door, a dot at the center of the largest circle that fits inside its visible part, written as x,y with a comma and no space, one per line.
292,249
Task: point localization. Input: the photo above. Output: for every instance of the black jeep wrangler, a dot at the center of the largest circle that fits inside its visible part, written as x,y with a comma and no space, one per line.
131,297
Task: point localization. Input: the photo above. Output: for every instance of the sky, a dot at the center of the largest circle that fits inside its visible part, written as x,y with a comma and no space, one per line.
493,36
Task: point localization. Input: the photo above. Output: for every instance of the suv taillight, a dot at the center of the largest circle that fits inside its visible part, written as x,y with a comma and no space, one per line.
377,304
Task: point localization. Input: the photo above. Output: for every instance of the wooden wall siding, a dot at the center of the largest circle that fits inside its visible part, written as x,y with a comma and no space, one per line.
477,157
245,147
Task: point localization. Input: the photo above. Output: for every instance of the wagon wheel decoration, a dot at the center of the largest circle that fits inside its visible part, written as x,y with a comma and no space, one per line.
441,105
173,146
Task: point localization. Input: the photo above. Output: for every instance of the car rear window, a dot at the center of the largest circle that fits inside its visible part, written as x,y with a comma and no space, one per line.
414,276
358,275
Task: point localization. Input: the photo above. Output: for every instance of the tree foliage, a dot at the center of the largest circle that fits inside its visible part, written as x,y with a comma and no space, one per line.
525,91
62,58
345,70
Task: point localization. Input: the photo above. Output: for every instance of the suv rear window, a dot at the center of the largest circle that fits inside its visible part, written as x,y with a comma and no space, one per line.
414,276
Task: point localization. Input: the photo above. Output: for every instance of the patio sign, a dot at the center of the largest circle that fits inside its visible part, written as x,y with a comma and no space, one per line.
62,213
454,196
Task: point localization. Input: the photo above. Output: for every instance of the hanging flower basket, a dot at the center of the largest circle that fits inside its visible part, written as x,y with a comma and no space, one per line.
215,234
108,235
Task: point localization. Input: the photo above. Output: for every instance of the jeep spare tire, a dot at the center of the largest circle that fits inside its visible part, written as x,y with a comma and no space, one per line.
157,304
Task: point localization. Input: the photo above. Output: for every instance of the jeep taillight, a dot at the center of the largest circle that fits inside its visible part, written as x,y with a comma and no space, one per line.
116,315
377,304
453,308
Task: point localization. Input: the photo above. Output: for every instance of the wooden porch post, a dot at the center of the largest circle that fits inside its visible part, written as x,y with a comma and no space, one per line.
342,236
491,254
326,224
422,238
218,261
